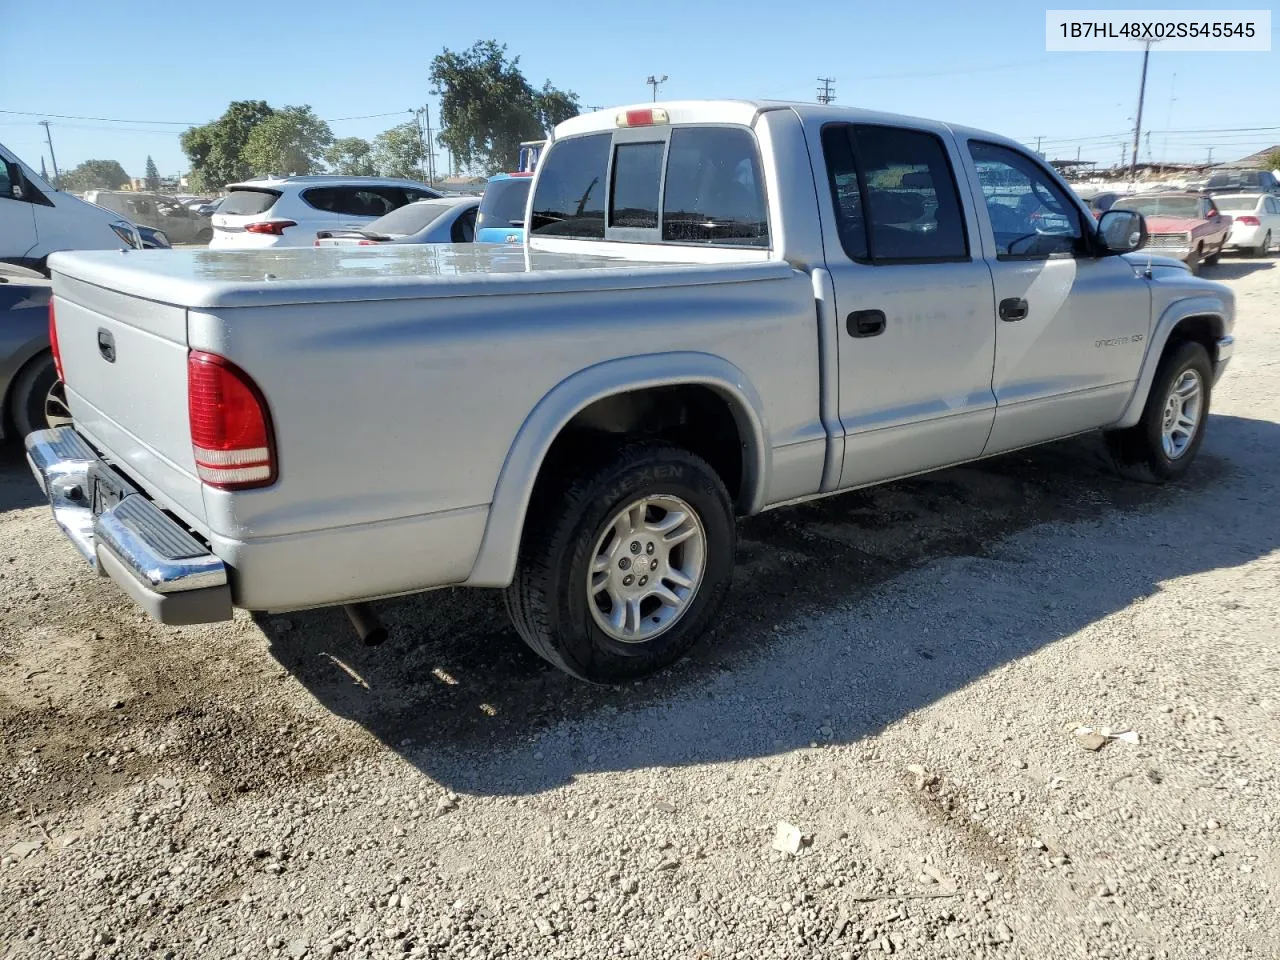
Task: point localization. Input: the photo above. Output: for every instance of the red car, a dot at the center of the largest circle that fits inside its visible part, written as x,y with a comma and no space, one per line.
1187,226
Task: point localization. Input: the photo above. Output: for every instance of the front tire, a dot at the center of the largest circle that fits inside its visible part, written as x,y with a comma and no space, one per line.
624,564
1163,444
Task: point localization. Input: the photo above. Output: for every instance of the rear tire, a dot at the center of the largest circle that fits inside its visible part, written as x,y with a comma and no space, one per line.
204,236
645,509
1162,445
1262,249
34,392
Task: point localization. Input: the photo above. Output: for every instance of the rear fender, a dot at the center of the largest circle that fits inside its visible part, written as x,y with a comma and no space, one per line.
496,562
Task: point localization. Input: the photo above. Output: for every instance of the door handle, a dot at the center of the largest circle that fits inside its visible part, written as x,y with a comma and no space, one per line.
866,323
1013,308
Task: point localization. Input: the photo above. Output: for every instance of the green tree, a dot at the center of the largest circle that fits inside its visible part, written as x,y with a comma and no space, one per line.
398,152
1271,161
351,156
95,175
153,174
292,140
487,106
216,149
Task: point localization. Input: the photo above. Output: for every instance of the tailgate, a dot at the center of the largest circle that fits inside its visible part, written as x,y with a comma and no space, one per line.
124,359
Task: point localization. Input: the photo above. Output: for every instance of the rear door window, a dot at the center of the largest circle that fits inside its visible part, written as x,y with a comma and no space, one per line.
895,195
714,191
569,201
248,202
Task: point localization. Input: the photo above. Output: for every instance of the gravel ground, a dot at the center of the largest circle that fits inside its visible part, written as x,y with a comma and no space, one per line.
900,676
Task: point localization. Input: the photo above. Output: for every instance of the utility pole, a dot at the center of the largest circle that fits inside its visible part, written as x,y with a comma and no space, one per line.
1142,95
1038,140
1209,161
825,93
431,154
1077,154
1150,158
56,176
654,82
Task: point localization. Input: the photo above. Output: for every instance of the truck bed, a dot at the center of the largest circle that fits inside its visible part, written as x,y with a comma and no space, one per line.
397,380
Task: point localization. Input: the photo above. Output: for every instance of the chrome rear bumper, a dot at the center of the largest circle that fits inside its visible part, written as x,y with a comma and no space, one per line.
158,563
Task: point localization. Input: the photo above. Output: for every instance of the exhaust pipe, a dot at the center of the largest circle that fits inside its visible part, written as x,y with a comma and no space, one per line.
368,627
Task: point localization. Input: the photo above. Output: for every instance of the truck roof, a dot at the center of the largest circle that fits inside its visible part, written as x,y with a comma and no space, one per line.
745,112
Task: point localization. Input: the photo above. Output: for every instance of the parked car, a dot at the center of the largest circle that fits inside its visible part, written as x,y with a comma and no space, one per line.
445,220
1255,221
153,239
179,222
36,219
1187,226
720,307
501,217
210,208
1242,181
1097,200
290,211
31,397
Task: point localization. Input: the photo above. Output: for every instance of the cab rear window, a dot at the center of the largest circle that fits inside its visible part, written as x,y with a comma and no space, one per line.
698,185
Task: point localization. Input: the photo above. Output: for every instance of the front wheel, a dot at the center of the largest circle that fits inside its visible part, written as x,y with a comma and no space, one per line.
1162,445
623,566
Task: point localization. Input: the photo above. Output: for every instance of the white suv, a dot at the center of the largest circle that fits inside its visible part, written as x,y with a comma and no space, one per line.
287,211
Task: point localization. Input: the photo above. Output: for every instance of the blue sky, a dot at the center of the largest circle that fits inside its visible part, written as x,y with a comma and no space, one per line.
981,64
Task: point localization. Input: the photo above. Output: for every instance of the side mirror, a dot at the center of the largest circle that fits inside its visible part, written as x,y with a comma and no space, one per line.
1122,231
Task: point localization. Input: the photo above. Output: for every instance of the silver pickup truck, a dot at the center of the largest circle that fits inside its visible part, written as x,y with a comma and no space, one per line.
720,307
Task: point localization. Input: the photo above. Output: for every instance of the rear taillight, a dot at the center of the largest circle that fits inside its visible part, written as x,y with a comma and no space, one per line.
1249,221
230,425
53,339
272,227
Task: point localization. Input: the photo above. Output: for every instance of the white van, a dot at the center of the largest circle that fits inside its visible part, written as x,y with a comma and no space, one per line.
37,220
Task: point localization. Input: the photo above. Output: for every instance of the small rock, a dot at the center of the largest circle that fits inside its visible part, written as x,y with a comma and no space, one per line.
298,948
668,865
993,877
1214,852
544,926
1212,825
1004,932
445,805
664,806
1091,741
630,885
788,838
24,847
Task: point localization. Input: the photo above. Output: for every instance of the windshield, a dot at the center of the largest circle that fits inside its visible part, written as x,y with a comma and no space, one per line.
503,202
1186,207
1246,204
410,218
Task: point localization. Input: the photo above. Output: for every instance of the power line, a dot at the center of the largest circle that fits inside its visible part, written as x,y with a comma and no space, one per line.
174,123
825,93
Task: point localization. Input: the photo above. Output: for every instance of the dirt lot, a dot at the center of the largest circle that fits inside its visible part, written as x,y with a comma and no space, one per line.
900,675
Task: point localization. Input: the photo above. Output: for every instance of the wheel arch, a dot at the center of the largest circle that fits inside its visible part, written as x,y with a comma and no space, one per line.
1201,319
527,455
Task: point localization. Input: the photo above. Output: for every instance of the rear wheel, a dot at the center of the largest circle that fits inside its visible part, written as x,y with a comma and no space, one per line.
39,398
1163,444
625,564
1261,249
204,236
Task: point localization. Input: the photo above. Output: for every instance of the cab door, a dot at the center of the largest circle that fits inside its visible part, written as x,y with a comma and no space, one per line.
914,302
1071,326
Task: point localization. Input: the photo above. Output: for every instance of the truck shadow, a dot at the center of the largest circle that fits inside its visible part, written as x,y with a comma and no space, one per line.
815,642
